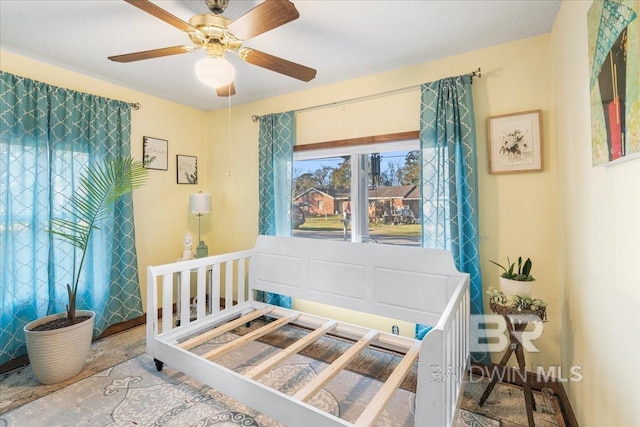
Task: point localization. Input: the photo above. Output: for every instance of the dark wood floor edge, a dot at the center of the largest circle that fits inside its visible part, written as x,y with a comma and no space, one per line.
122,326
513,376
567,411
12,364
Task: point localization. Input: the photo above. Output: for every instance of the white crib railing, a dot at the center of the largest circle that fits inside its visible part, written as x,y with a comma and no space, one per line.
444,359
220,283
221,289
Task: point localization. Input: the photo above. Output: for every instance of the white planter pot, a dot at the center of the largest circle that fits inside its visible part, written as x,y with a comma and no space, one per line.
515,287
59,354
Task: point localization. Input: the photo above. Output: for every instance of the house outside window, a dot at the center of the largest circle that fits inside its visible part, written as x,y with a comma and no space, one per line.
367,193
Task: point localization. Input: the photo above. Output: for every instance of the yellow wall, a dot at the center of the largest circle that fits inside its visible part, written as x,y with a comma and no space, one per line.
579,224
517,212
161,207
516,77
599,217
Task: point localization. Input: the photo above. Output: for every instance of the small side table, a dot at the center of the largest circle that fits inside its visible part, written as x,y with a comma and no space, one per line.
515,325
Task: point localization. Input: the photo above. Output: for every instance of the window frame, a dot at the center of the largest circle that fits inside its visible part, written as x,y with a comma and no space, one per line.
359,149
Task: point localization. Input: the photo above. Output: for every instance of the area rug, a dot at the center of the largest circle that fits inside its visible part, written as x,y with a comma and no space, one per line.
506,404
471,419
20,386
133,393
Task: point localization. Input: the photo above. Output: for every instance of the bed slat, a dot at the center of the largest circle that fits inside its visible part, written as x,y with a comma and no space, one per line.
293,349
308,391
384,395
226,327
252,336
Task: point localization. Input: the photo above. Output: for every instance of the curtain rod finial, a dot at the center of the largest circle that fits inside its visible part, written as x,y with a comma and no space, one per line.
255,118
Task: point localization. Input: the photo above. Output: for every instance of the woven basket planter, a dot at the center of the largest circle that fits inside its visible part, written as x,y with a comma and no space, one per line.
59,354
505,310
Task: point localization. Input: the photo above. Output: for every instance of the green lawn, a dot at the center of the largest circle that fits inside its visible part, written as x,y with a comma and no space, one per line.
321,223
394,230
334,223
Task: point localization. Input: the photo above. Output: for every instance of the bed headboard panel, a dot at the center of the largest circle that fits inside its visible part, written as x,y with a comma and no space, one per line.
400,282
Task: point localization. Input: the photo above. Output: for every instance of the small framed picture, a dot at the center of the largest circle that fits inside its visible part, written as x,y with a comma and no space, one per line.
155,153
187,169
515,142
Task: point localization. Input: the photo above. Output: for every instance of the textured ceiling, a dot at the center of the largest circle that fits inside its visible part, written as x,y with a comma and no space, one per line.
341,39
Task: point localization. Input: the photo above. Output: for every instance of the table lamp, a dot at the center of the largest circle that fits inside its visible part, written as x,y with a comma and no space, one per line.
200,203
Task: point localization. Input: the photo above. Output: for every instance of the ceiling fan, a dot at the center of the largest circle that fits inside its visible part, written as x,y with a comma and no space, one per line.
217,35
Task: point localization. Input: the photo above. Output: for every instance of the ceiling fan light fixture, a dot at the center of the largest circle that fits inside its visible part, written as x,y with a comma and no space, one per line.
215,72
217,35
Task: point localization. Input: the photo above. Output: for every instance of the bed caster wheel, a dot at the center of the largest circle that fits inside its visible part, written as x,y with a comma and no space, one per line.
159,365
248,324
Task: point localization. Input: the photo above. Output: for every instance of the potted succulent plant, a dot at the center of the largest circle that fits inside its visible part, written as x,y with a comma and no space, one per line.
58,345
516,282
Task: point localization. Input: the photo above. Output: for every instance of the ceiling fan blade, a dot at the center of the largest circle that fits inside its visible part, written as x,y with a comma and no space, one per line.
155,53
278,65
226,90
160,13
266,16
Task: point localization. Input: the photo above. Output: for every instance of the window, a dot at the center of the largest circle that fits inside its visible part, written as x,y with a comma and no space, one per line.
42,154
32,172
360,193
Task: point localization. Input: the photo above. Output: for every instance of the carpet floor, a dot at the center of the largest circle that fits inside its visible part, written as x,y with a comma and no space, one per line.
120,386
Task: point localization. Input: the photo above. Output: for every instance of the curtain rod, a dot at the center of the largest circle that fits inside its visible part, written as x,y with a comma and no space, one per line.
477,73
134,105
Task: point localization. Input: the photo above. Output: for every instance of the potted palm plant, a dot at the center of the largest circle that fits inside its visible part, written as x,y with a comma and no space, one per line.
516,282
58,345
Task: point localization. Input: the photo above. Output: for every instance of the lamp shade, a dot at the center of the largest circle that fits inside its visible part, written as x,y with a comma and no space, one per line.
216,72
200,203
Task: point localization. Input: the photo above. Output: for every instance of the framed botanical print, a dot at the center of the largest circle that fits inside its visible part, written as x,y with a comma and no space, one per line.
155,153
515,142
187,169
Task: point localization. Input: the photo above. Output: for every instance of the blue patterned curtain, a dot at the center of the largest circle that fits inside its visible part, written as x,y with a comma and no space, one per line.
450,181
48,135
275,163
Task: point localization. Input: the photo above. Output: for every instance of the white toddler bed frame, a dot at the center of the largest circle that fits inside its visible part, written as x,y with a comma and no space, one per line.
405,283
